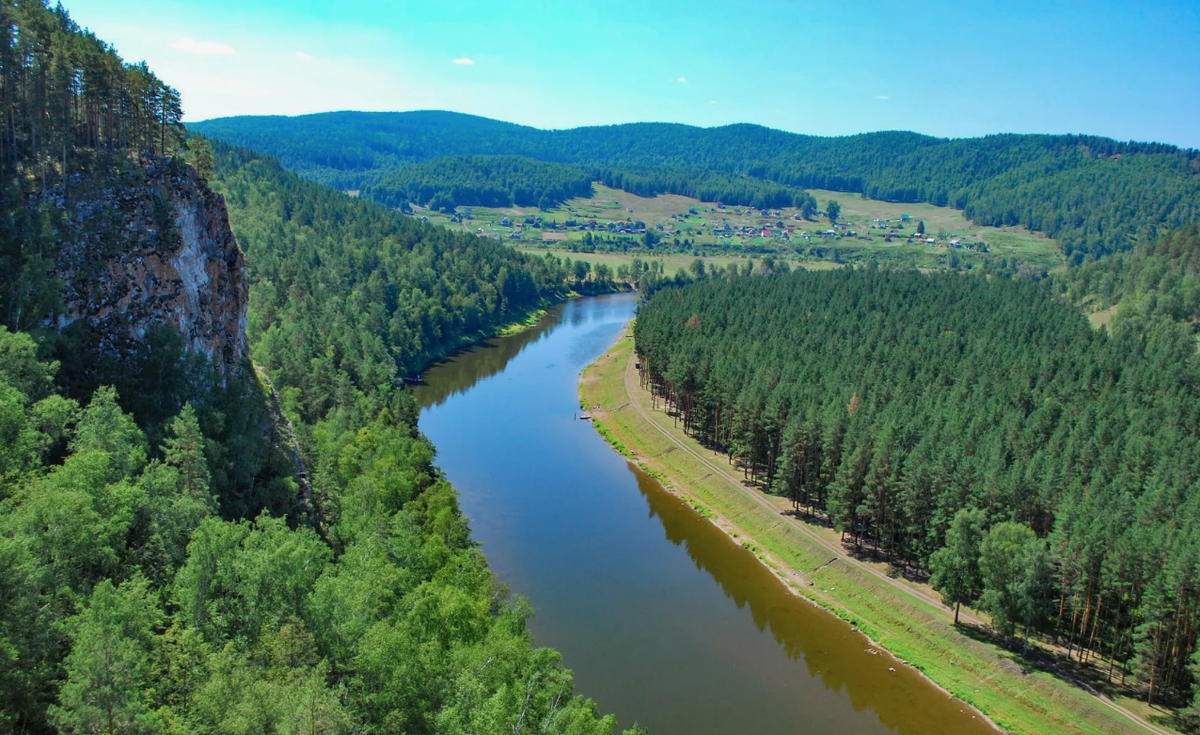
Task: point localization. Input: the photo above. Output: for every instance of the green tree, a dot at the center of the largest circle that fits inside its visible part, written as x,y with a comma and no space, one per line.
103,426
108,667
184,450
20,367
921,227
244,579
180,666
833,210
955,566
1015,567
178,497
200,155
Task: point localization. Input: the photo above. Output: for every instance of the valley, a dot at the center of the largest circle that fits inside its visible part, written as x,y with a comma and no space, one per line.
614,221
425,422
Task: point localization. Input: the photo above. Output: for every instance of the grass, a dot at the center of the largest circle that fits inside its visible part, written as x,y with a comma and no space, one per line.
531,319
612,439
1102,318
1009,242
1012,691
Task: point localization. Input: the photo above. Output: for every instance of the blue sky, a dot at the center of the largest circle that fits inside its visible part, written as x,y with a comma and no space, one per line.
1130,70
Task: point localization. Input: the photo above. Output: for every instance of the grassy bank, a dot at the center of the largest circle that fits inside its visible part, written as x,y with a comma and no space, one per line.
516,327
521,321
1013,692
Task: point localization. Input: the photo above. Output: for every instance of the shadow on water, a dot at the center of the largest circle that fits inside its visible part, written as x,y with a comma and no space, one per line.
461,371
826,644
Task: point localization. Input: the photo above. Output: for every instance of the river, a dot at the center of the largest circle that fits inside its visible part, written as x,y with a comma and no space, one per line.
664,619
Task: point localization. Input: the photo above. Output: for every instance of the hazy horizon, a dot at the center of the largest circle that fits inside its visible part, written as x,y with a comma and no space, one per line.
1111,69
676,122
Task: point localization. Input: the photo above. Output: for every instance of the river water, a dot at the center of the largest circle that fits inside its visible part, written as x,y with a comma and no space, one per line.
664,619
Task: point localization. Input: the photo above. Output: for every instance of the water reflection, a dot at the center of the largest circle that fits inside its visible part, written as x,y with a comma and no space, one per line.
827,645
460,372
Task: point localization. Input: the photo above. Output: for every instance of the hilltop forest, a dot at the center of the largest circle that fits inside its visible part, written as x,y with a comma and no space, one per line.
164,568
504,181
1094,195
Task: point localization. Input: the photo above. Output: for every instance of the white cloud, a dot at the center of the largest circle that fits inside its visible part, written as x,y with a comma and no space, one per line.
882,97
303,56
203,48
712,102
682,80
464,62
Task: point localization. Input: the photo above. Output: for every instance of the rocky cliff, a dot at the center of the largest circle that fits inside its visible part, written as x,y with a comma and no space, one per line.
152,247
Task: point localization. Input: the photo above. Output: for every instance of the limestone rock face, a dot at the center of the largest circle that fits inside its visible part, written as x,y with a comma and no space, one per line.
151,249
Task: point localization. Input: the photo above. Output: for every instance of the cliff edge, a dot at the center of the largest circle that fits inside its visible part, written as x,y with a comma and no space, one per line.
153,248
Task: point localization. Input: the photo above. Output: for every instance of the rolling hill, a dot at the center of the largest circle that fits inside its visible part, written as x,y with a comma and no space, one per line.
1094,195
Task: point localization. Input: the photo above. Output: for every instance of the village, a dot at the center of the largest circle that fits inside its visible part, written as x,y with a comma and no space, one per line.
716,224
618,222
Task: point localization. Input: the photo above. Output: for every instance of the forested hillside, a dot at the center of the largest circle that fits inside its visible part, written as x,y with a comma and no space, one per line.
978,428
483,181
504,181
335,280
708,186
1094,195
163,566
1160,278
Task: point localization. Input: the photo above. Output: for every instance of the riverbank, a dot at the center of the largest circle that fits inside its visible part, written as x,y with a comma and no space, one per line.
905,619
531,318
521,322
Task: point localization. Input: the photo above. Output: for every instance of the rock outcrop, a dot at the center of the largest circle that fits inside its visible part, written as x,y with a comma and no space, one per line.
153,247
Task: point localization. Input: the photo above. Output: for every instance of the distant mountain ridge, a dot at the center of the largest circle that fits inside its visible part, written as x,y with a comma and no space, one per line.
1095,195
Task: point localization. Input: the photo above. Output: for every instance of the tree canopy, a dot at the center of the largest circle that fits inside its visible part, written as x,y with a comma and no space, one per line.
979,427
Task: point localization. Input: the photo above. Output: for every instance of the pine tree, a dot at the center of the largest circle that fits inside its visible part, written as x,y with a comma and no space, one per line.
184,450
